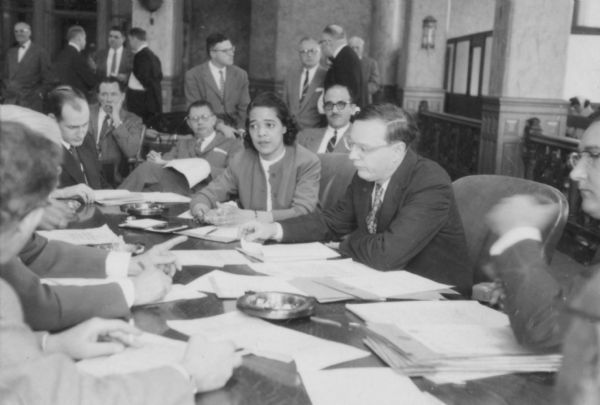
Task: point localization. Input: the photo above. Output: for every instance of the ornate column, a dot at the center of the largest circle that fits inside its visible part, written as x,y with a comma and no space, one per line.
526,80
421,71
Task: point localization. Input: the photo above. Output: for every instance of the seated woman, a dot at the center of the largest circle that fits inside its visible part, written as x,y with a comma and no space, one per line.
206,143
274,177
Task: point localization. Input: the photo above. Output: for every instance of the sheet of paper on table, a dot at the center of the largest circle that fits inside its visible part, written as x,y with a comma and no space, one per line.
90,236
155,351
264,339
186,215
213,258
288,252
224,234
164,197
119,197
315,268
365,385
193,169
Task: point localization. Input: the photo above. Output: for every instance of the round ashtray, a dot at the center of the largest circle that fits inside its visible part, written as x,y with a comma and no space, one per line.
144,209
276,305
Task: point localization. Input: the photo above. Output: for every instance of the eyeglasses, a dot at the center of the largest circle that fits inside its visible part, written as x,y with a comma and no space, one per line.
227,50
340,105
308,51
362,149
588,158
199,118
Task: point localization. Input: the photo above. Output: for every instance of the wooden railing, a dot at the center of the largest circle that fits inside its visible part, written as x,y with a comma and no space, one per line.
451,140
546,161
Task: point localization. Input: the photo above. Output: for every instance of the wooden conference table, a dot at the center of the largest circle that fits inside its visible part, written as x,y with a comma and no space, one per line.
263,381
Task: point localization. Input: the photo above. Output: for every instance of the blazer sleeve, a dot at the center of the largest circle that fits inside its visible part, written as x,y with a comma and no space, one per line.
534,299
217,190
58,259
85,73
242,104
128,135
191,87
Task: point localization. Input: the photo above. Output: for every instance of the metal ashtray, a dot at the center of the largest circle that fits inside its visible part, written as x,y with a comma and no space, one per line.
276,305
144,209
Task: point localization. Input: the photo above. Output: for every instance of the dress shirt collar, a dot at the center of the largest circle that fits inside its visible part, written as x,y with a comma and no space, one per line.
206,141
26,45
215,70
141,47
66,145
74,45
337,50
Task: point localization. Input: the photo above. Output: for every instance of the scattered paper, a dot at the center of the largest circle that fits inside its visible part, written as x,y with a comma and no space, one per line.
164,197
180,292
193,169
90,236
213,258
76,281
264,339
155,351
369,385
316,268
186,215
143,223
224,234
390,284
289,252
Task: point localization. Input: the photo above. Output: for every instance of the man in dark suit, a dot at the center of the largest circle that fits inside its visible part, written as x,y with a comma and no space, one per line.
546,312
345,66
222,84
339,108
27,74
370,69
144,95
398,212
304,85
116,132
71,66
117,60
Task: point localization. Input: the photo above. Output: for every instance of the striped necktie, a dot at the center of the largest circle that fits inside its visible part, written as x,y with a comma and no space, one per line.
222,83
372,216
332,142
304,86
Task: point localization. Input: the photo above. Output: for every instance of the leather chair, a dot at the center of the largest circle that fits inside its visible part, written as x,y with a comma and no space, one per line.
476,195
336,173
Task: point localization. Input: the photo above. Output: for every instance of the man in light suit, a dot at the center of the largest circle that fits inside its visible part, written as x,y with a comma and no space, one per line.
27,74
398,212
144,94
339,108
304,85
545,312
117,60
222,84
345,66
370,69
39,369
71,66
115,131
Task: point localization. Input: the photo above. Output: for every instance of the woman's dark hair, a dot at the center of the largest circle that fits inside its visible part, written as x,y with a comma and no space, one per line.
271,100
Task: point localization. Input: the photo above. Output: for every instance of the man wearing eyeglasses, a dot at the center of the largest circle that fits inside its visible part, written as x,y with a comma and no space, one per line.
339,108
397,213
304,85
221,83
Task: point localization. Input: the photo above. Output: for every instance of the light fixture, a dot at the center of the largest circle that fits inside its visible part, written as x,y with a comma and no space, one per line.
429,26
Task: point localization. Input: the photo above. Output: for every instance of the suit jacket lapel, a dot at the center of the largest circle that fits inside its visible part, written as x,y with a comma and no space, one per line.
71,166
207,77
93,128
340,147
312,87
13,57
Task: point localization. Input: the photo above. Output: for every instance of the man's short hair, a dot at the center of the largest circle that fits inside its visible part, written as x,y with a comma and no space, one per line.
74,31
306,39
343,86
23,23
61,95
358,40
113,79
118,29
200,103
401,125
138,33
29,168
335,31
214,39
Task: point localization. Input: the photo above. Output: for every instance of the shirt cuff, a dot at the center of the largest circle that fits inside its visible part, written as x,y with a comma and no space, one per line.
117,264
128,289
185,374
278,232
513,237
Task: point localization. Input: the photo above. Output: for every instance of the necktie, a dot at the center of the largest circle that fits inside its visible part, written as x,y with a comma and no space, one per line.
113,64
304,86
104,128
332,142
222,83
198,147
73,151
372,216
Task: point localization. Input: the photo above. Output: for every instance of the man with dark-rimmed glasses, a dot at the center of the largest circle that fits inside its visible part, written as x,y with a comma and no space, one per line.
398,212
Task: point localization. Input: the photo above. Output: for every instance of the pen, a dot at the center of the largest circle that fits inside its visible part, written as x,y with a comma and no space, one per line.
325,321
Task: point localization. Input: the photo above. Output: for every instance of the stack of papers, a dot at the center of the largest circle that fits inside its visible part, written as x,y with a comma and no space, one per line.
119,197
275,342
288,252
90,236
224,234
193,169
212,258
423,338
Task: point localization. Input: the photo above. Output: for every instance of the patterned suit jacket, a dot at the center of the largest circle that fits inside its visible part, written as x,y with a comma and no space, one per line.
306,112
26,82
311,139
200,85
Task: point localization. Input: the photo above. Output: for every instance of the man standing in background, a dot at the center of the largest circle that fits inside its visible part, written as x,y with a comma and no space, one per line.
370,69
71,66
116,61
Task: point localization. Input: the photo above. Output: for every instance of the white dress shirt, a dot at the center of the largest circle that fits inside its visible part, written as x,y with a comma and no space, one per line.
329,132
22,50
215,71
311,75
112,53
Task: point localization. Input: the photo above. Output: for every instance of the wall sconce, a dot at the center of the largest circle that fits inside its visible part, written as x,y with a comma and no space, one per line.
429,26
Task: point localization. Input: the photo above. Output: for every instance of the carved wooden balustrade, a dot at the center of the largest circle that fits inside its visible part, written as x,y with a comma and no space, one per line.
451,140
546,161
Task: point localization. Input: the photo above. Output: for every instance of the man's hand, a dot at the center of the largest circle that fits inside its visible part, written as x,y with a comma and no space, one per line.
155,157
520,211
258,231
199,211
92,338
57,215
210,363
151,133
81,191
115,113
228,214
158,257
150,286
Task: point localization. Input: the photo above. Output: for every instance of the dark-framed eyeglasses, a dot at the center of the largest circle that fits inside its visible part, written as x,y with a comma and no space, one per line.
199,118
340,105
363,149
226,50
308,51
589,159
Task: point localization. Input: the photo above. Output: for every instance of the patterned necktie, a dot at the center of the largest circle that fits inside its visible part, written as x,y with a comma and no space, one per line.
304,86
332,142
104,129
73,151
372,216
222,83
113,64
